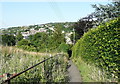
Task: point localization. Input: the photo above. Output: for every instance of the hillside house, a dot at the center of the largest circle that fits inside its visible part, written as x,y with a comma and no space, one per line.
67,37
25,34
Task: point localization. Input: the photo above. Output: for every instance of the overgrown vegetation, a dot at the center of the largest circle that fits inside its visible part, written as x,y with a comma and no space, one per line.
83,25
91,73
42,41
100,46
14,60
96,53
102,14
39,42
107,12
8,40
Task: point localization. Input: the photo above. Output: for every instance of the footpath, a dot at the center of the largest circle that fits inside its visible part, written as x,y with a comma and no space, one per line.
73,72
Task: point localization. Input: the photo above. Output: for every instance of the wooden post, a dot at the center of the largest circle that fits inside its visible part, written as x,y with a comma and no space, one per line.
7,75
44,69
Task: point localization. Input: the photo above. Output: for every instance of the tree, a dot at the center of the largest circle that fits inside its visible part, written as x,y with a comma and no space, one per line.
102,14
8,40
58,37
39,40
83,25
19,36
63,47
23,42
107,12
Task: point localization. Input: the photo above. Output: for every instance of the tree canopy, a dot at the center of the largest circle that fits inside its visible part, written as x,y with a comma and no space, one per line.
8,40
103,13
107,12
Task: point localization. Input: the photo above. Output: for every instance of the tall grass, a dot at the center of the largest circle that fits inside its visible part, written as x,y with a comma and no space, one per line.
14,60
91,73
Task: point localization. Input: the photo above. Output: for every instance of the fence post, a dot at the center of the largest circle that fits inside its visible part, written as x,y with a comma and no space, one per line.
44,64
7,76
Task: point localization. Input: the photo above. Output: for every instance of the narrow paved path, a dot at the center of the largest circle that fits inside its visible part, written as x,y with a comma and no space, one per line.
73,72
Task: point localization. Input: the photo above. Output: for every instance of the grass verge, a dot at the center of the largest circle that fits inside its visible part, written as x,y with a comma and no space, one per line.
91,73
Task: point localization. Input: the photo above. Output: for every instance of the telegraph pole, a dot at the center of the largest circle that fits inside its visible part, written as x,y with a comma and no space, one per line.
73,36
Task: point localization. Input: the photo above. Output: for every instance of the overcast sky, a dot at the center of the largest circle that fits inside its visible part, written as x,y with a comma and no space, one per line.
28,12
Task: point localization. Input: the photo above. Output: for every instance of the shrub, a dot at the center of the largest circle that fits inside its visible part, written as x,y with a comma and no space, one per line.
63,47
101,47
8,40
23,42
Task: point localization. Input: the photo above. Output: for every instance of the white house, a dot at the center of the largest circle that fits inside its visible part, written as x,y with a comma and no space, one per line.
67,37
25,34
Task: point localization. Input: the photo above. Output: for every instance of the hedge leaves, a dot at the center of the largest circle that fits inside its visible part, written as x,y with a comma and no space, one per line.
101,46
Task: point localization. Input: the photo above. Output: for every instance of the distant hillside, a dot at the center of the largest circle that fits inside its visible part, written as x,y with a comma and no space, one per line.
48,27
66,29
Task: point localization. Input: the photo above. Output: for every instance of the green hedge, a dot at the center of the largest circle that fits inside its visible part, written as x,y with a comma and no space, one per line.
101,47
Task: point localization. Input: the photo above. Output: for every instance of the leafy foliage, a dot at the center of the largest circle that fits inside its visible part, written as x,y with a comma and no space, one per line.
42,41
83,25
102,14
63,47
58,37
8,40
101,47
19,36
23,42
39,40
107,12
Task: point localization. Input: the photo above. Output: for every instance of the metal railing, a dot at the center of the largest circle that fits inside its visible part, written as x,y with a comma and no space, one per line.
7,81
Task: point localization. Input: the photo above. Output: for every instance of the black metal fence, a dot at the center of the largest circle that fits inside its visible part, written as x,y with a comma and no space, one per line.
9,77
